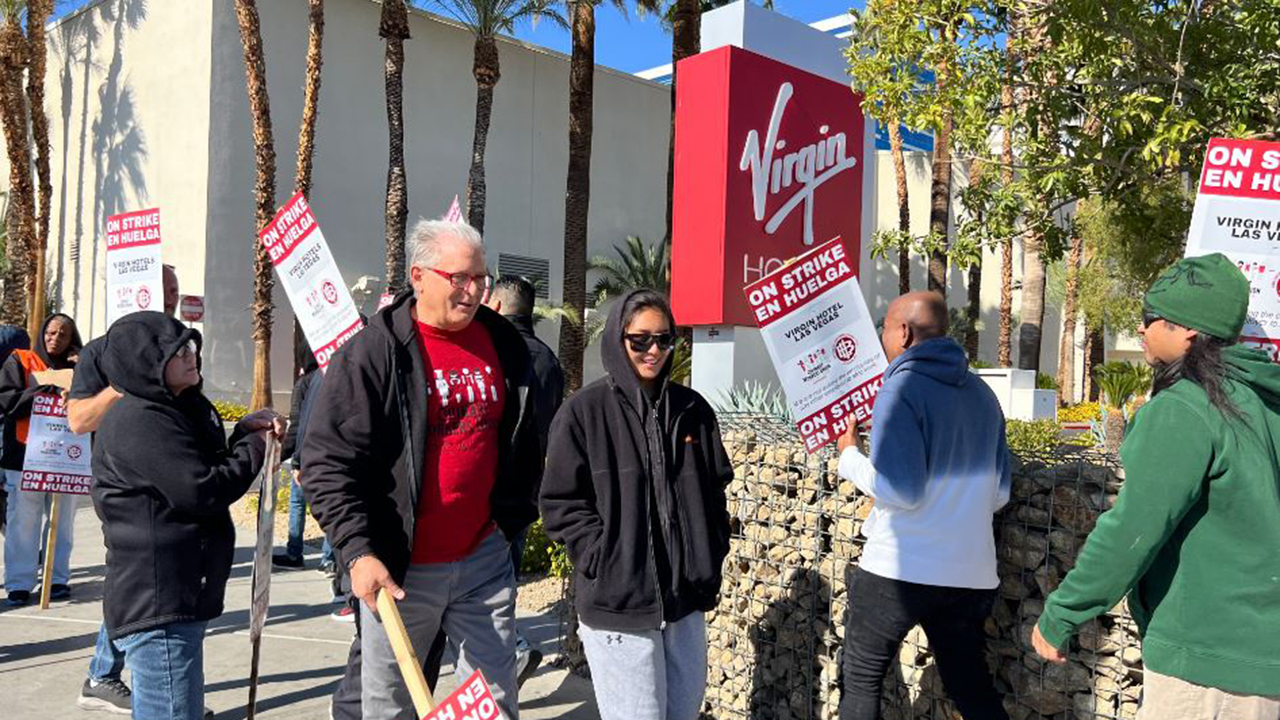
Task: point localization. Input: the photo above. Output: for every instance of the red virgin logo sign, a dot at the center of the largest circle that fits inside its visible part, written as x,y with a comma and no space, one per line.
768,164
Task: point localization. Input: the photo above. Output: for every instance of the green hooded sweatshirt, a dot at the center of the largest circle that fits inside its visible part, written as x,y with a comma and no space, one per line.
1194,537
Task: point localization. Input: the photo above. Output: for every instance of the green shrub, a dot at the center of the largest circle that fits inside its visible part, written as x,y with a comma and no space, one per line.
1045,381
1029,438
561,566
536,544
229,411
1121,381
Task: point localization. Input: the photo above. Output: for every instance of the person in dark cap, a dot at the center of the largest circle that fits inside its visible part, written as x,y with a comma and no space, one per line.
164,476
1194,536
57,348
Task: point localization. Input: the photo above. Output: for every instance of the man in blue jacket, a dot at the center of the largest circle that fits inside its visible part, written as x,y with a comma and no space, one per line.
938,471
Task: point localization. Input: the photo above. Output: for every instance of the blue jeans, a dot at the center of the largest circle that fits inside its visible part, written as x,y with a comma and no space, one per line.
26,531
167,668
108,660
297,523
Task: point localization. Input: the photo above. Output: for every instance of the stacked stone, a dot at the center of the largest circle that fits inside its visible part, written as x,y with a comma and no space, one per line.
775,638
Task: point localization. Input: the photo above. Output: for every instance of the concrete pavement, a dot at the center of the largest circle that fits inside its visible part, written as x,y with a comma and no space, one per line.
44,655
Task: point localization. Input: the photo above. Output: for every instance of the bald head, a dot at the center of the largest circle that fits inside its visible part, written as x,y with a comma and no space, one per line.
912,319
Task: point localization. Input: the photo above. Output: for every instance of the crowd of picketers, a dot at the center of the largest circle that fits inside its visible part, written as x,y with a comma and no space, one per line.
436,437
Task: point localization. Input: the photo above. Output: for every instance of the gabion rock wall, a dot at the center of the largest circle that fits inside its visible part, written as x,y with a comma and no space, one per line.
776,635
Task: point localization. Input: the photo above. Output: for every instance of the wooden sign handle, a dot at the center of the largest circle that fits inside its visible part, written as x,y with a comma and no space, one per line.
406,658
50,550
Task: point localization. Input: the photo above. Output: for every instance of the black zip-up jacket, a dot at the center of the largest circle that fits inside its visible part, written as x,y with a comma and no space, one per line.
163,480
635,489
548,377
366,439
17,393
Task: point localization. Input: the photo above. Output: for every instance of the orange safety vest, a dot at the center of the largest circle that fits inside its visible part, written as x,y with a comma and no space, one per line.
31,363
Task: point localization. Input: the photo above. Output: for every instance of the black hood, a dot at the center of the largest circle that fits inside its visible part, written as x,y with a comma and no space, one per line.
139,345
60,362
614,356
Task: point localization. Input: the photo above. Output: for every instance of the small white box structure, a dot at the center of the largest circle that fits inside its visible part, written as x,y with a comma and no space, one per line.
1016,391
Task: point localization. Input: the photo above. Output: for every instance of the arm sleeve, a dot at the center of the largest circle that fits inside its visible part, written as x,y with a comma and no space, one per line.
897,470
88,380
181,471
340,445
1004,461
568,498
1163,480
289,444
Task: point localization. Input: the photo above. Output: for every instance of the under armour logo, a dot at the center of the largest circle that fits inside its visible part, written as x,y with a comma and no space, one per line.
613,639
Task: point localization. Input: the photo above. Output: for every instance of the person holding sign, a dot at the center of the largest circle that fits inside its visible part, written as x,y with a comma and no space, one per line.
421,458
635,489
56,348
938,472
164,478
1193,537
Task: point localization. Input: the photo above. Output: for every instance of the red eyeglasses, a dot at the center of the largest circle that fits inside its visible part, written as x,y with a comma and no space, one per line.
463,281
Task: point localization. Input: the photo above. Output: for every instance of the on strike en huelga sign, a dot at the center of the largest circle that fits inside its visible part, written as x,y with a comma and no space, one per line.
311,279
821,339
471,701
57,459
134,278
1237,213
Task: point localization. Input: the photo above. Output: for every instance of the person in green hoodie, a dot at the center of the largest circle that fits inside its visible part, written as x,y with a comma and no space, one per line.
1194,537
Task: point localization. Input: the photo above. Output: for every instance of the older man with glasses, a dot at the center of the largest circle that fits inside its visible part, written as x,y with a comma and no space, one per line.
422,455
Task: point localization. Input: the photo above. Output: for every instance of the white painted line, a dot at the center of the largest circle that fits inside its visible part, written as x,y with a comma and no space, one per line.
82,621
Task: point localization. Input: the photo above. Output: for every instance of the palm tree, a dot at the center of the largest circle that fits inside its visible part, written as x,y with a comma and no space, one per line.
38,13
686,41
487,18
635,267
255,64
904,207
1067,343
307,130
14,54
394,28
940,190
1007,106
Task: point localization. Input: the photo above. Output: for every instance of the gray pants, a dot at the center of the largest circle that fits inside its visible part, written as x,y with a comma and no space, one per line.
474,600
650,675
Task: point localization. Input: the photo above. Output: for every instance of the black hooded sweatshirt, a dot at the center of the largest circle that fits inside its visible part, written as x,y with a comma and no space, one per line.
365,442
16,393
163,480
635,488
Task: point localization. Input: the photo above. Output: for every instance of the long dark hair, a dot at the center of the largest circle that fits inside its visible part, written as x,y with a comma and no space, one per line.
1203,365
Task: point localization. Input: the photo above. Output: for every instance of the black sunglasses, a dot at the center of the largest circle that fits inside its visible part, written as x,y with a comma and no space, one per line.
641,342
1148,318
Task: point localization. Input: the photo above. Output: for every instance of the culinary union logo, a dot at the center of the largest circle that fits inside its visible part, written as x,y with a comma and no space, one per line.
73,452
774,170
144,298
846,348
330,292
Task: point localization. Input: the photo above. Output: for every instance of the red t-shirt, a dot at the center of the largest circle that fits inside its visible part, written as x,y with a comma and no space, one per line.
465,398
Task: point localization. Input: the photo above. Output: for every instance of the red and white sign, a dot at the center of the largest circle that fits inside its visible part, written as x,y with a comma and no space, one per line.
471,701
135,280
768,164
822,341
191,308
311,279
1237,213
454,214
57,459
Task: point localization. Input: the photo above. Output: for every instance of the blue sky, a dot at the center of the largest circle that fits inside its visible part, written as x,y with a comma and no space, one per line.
632,44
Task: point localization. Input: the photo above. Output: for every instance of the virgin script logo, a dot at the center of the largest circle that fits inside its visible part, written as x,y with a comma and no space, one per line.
774,171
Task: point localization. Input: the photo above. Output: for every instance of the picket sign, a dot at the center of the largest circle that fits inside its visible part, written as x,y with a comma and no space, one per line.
471,701
134,279
261,583
406,658
311,279
57,461
824,347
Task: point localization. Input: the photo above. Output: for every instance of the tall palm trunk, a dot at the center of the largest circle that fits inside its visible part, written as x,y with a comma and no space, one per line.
21,222
1095,353
686,41
577,197
488,72
1005,343
940,192
307,131
38,12
264,153
1033,269
394,27
904,208
973,310
1067,344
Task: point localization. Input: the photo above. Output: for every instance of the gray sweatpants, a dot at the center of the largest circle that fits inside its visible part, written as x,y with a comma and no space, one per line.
650,675
474,600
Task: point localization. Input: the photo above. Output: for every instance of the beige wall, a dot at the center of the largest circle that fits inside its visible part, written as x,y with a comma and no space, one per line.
127,102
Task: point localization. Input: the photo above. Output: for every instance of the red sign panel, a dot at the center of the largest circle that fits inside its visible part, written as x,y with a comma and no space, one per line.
768,164
1242,168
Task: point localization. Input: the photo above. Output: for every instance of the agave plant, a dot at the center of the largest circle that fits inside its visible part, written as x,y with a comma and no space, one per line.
1119,383
756,399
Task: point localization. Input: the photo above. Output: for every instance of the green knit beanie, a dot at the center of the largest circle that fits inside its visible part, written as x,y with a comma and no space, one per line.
1207,293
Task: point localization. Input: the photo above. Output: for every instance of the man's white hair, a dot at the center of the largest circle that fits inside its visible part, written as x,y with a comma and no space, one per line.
428,237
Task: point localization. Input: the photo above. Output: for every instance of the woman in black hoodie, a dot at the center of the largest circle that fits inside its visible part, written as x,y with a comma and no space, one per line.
56,348
634,488
164,478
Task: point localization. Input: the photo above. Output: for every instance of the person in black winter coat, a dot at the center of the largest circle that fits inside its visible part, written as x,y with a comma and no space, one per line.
635,488
164,478
12,338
